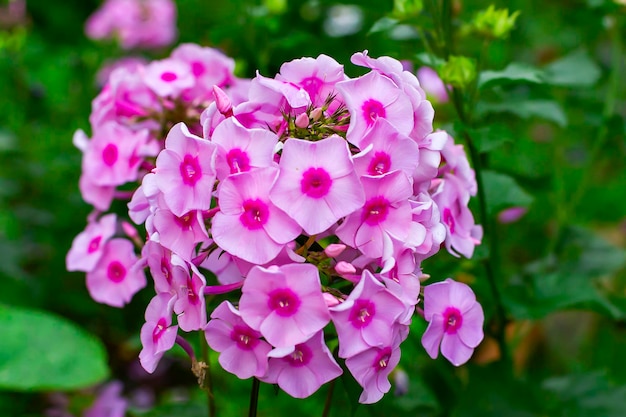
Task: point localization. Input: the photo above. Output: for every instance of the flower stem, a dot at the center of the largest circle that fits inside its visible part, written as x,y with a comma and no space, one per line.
329,399
254,397
208,380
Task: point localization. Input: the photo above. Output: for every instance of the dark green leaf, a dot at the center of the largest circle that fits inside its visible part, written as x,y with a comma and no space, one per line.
544,109
40,351
515,72
491,137
383,24
501,191
574,70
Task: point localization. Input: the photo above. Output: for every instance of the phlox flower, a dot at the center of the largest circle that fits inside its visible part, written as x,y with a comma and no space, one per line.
179,234
317,76
317,184
190,305
242,351
386,150
240,149
457,164
115,279
462,235
386,214
168,77
432,84
88,246
284,303
109,402
301,369
371,369
366,318
246,212
114,154
185,171
371,97
157,334
455,321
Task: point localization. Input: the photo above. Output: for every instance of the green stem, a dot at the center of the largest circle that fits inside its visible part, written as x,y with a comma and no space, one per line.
208,381
329,399
254,397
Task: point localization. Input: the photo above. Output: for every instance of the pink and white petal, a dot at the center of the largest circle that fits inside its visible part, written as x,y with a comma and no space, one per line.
436,299
461,295
280,227
471,332
259,248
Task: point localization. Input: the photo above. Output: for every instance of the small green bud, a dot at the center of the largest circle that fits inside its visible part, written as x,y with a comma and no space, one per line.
275,6
459,71
494,23
403,9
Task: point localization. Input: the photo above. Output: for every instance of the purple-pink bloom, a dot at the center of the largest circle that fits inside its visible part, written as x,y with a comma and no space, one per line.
284,303
301,369
157,334
371,97
246,212
185,171
190,305
169,77
432,84
455,321
109,402
366,318
115,279
317,184
88,246
242,351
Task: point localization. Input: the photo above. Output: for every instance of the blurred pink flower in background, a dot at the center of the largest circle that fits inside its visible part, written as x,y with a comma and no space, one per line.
136,24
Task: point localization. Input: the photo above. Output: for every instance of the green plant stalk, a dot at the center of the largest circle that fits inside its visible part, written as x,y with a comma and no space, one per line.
329,399
208,382
254,397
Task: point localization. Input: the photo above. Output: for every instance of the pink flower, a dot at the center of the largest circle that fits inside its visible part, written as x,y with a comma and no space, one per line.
284,303
246,212
190,305
115,279
242,352
455,321
88,246
512,214
185,171
432,84
317,184
169,77
367,317
371,97
157,334
301,369
109,402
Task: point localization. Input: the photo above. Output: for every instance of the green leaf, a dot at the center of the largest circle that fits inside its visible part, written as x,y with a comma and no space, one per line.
574,70
501,191
429,60
491,137
40,351
186,409
544,109
515,72
383,24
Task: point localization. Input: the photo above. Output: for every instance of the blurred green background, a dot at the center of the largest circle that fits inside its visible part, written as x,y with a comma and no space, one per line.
556,145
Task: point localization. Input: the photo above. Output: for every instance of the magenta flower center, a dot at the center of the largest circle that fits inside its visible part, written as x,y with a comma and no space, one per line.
448,219
94,244
362,313
190,170
244,338
372,110
197,68
380,164
184,222
452,320
312,86
158,330
284,302
300,356
315,182
375,210
116,271
169,76
109,154
382,359
238,161
192,295
255,214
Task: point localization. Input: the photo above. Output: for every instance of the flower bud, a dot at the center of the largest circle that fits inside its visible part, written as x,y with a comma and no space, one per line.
302,121
317,114
334,249
222,101
494,23
459,71
345,268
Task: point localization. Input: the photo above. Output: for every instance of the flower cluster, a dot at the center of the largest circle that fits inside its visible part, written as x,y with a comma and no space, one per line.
135,24
306,205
